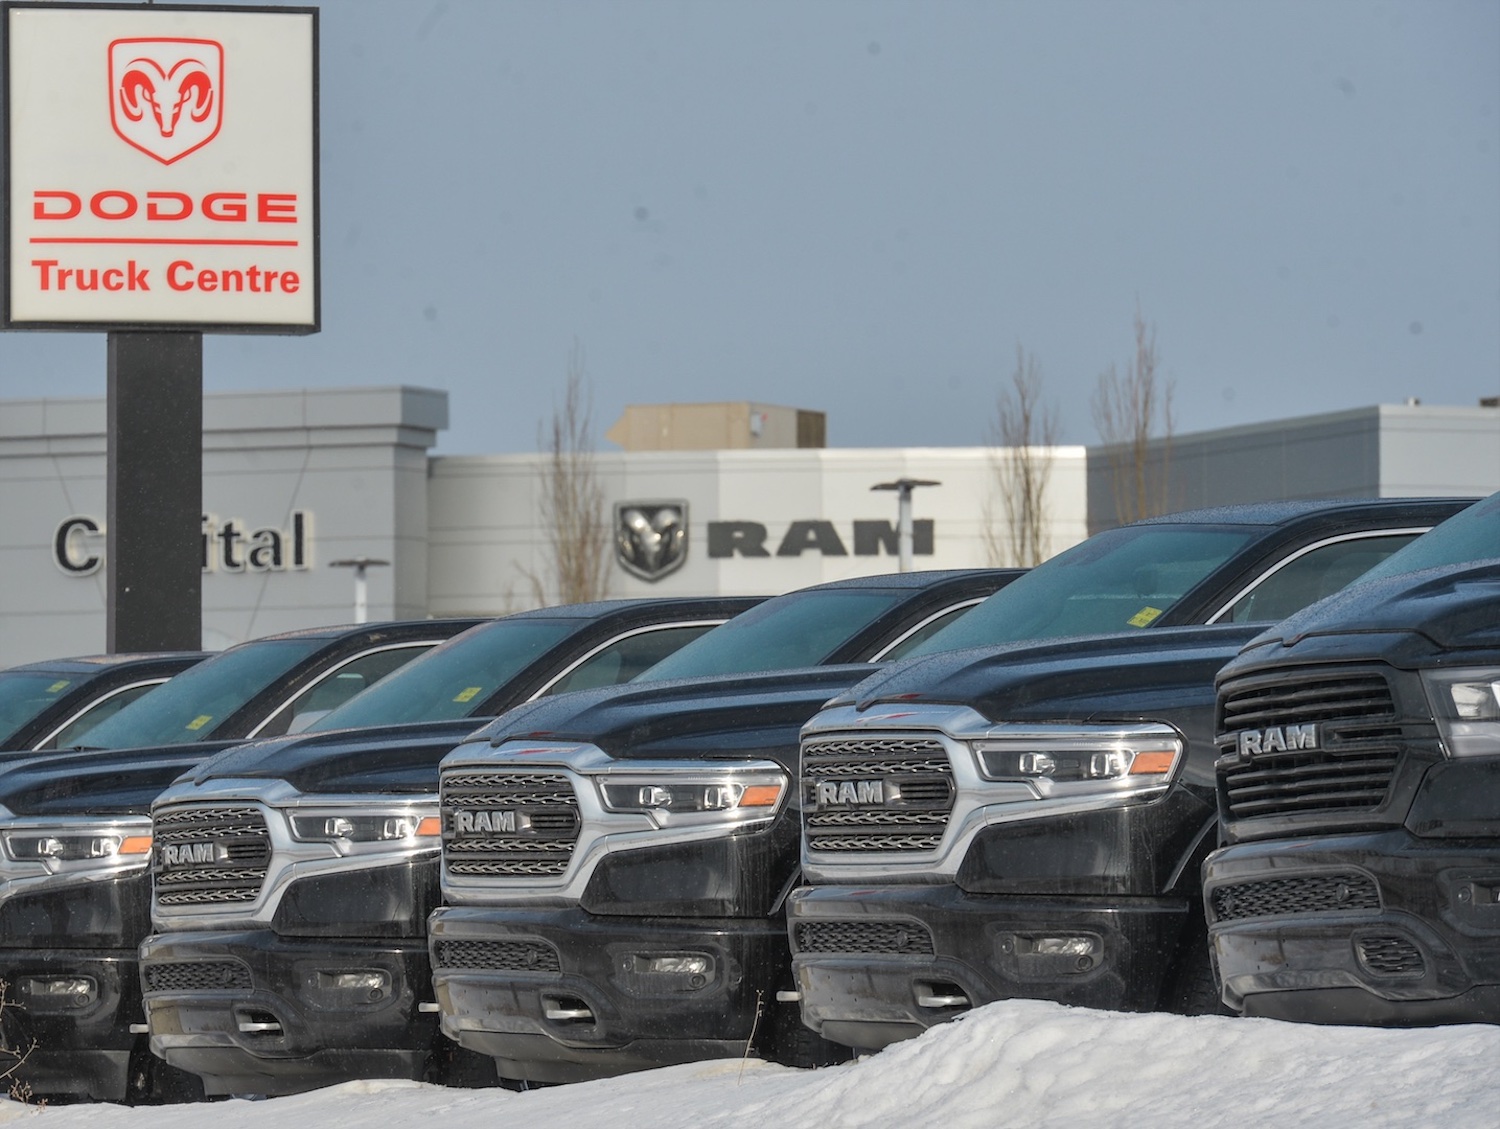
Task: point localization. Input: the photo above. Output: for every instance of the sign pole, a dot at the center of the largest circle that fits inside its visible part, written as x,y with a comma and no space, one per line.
153,530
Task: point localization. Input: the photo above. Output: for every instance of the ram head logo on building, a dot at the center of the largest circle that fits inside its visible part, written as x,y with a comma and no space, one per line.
651,538
167,95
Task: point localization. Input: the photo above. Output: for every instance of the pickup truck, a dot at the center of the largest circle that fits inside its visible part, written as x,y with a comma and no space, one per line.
1028,821
1359,787
75,841
617,866
293,876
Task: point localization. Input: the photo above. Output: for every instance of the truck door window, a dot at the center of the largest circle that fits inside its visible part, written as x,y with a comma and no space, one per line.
624,658
1318,572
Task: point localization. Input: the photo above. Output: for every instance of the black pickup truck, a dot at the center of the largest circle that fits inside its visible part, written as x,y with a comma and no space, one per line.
1359,785
293,876
616,867
1029,821
306,963
76,839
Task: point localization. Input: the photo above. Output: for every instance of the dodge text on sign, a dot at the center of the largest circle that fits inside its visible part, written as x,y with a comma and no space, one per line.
162,168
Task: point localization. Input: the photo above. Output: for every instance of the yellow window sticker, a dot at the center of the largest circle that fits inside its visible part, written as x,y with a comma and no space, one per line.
1143,617
200,721
466,694
59,686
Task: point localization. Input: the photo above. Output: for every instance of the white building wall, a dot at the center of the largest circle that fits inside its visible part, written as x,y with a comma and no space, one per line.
486,541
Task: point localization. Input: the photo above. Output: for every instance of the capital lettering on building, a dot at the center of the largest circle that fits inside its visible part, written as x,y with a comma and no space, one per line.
228,545
186,196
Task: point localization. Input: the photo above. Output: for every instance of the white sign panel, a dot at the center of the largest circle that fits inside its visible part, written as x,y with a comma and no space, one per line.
161,168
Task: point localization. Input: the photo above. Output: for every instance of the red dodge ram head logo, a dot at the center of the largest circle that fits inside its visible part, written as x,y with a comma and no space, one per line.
166,95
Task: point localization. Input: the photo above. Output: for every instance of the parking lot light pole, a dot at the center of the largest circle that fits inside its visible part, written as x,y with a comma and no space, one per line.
904,487
361,584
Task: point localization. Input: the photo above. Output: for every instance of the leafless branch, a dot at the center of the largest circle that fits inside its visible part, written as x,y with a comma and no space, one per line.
1024,432
1128,410
572,499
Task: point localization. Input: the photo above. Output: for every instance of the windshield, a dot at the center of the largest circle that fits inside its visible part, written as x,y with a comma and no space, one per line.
1472,534
24,694
452,680
1115,581
796,630
192,705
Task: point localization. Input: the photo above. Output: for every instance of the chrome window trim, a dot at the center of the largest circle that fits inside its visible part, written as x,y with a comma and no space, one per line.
613,639
97,702
1361,535
905,635
407,644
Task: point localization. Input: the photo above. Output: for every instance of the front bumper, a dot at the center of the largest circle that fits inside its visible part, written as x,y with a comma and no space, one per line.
561,995
878,964
68,1012
1380,929
254,1012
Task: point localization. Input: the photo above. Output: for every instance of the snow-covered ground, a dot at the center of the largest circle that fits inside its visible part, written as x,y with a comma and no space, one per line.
1019,1063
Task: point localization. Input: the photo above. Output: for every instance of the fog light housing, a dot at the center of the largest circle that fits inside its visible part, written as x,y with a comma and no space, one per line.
657,973
51,993
1043,957
372,984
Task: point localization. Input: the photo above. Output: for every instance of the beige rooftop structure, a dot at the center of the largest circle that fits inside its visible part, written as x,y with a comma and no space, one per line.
741,425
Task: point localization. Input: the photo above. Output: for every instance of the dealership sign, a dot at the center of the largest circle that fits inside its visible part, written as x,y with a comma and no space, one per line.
161,168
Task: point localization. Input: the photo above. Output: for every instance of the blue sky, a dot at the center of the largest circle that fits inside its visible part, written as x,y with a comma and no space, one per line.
865,206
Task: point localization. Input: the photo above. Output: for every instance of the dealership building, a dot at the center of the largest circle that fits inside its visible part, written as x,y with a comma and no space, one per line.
724,498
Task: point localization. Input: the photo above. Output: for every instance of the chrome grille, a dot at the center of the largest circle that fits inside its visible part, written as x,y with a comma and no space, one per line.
900,937
496,956
236,838
195,976
1271,897
544,811
915,786
1350,771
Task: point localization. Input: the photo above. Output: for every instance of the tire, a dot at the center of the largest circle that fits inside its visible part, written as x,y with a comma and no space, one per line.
1193,989
152,1081
791,1043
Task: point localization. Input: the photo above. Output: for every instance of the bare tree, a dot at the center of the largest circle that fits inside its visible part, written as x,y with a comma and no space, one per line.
1024,432
572,500
1129,411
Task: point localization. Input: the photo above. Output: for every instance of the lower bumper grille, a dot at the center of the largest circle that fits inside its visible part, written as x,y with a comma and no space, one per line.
196,976
496,956
1273,897
898,937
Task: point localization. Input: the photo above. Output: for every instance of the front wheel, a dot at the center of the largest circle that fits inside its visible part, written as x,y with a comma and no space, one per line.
791,1043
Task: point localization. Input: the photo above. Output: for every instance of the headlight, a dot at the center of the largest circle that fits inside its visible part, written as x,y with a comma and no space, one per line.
1466,706
1073,761
80,844
415,827
697,795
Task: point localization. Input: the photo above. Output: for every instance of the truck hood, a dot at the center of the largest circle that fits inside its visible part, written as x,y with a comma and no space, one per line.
386,759
742,716
1435,612
99,782
1085,678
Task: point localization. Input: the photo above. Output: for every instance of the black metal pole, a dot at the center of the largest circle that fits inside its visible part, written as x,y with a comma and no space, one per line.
154,519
